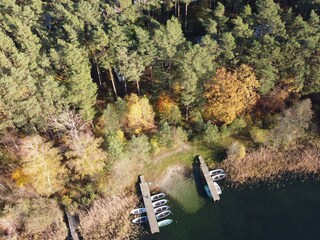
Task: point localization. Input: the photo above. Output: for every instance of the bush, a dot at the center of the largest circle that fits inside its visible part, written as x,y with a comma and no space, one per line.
36,218
236,150
291,125
211,133
139,148
259,135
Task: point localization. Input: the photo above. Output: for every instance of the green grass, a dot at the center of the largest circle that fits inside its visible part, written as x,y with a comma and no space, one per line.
185,158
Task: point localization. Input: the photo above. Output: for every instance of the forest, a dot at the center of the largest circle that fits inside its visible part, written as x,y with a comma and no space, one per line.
93,93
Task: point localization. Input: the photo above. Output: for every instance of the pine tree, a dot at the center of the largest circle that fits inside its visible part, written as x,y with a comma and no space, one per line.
268,19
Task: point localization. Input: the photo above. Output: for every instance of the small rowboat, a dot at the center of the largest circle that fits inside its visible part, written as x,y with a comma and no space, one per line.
159,203
140,219
164,222
161,209
207,191
163,214
138,211
216,171
218,176
157,196
216,185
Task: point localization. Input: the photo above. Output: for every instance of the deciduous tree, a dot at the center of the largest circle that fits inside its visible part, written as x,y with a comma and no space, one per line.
229,94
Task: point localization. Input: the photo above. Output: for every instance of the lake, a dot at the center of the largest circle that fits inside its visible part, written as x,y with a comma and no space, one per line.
291,212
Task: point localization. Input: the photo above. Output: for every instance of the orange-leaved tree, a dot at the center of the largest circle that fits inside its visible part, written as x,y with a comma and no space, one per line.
168,109
230,93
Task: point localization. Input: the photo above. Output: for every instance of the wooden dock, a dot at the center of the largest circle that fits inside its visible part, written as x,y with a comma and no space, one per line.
206,174
148,205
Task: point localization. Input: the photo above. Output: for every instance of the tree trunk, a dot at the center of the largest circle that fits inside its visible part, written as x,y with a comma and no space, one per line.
99,74
125,86
178,9
113,85
175,8
138,87
187,113
186,17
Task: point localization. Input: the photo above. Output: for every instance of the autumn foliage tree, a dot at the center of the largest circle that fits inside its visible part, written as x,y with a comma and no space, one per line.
85,157
230,93
41,163
140,115
168,110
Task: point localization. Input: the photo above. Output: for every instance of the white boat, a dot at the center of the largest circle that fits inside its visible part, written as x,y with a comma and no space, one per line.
216,185
140,219
159,203
216,171
157,196
138,211
164,222
161,209
163,214
218,176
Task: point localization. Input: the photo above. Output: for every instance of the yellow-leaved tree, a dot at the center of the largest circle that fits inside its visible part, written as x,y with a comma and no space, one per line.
140,116
85,157
41,163
230,93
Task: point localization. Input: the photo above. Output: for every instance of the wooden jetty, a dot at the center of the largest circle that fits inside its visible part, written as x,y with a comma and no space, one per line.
207,176
148,205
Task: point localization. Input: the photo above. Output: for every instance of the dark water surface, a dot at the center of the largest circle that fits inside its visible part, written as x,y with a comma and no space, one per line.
291,212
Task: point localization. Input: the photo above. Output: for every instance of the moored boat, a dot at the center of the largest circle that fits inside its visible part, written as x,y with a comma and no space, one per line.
216,185
157,196
138,211
140,219
164,222
159,203
161,209
218,176
206,188
216,171
163,214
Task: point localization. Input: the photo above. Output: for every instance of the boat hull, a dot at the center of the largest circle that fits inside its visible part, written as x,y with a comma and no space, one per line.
159,203
161,209
163,214
157,196
164,223
140,220
138,211
218,176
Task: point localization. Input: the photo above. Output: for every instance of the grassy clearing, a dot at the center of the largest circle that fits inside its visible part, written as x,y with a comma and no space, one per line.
156,169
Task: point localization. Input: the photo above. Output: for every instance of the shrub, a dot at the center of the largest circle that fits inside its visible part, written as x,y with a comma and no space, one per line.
259,135
291,125
236,150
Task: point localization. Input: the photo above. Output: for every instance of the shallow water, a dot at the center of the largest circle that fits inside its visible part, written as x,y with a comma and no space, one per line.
291,212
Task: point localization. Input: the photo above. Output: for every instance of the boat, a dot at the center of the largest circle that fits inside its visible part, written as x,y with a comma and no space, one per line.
218,176
216,185
206,188
140,219
161,209
163,214
159,203
216,171
138,211
157,196
164,222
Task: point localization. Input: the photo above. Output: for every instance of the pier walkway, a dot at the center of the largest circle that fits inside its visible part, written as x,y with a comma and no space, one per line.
207,176
152,221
